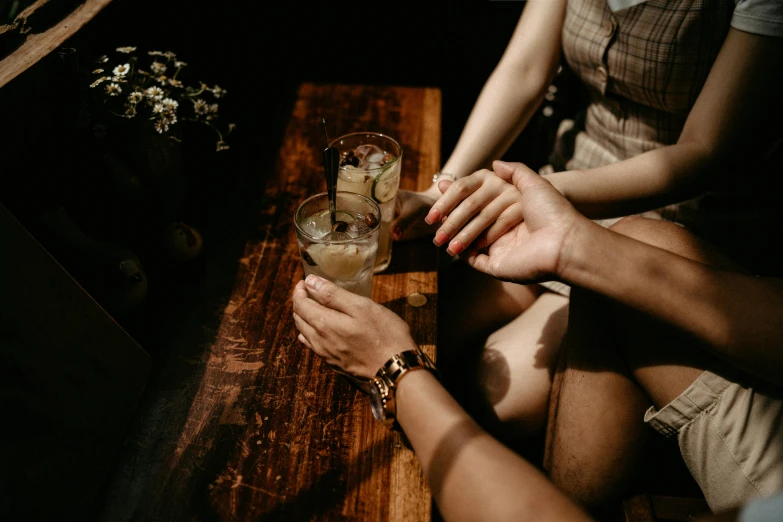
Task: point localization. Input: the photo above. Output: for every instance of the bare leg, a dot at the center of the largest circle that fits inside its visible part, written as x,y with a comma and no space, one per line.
597,431
665,364
616,364
518,362
498,344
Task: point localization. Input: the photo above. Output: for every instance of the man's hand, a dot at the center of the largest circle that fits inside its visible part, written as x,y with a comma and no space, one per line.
527,247
348,331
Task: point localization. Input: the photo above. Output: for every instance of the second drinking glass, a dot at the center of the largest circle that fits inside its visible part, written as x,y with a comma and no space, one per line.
370,164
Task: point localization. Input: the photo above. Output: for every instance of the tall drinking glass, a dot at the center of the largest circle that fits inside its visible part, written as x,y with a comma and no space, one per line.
370,164
347,262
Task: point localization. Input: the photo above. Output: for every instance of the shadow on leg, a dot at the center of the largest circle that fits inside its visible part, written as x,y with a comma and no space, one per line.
498,345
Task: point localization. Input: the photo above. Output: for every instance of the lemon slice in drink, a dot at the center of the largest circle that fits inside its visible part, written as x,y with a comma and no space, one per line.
340,261
384,186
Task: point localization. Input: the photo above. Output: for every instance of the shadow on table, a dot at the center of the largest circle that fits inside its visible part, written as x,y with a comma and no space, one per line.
418,255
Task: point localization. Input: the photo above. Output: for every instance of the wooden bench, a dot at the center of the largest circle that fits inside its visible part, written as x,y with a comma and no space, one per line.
246,423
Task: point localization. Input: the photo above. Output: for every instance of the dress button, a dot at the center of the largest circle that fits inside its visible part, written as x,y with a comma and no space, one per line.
602,74
611,27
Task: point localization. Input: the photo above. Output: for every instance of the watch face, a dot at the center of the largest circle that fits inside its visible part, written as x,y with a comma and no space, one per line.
376,400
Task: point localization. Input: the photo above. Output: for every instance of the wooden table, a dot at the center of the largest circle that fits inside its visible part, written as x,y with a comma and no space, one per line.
252,425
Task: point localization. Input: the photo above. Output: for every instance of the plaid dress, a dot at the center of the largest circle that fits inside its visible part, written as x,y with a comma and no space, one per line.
644,68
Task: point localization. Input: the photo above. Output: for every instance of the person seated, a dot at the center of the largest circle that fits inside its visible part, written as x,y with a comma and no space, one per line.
678,124
642,288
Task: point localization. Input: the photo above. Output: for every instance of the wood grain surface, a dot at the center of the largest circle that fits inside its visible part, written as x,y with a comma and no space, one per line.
250,425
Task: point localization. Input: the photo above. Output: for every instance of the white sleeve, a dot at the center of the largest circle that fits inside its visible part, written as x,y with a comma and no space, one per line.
760,509
764,17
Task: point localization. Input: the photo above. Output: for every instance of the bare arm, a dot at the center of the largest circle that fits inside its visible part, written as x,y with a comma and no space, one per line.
506,103
472,476
722,128
514,90
737,316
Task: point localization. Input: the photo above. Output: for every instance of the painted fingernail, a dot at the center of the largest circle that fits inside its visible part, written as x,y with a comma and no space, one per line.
440,237
314,282
432,217
455,247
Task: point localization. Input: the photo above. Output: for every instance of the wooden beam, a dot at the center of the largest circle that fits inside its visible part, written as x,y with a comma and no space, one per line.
36,45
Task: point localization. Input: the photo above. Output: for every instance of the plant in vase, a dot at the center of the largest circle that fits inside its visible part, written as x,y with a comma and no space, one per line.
141,106
137,109
151,90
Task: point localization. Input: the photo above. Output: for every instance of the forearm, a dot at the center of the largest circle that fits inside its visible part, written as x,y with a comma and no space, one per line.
502,110
724,131
735,316
514,90
645,182
472,476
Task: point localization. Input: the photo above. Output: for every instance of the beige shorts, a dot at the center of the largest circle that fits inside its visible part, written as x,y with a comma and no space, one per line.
730,433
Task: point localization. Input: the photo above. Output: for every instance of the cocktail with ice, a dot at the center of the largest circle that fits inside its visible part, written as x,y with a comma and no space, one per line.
370,165
347,262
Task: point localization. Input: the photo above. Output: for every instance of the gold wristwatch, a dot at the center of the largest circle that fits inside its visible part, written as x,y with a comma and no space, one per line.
382,386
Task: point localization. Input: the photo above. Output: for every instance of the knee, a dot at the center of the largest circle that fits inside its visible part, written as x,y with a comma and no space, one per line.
674,238
657,232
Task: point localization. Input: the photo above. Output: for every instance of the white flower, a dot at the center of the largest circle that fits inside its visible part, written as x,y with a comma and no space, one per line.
102,59
179,64
200,106
161,126
98,82
130,110
97,71
231,127
113,89
175,83
125,50
155,53
156,93
121,70
212,112
135,97
218,92
170,104
162,79
157,108
158,68
221,145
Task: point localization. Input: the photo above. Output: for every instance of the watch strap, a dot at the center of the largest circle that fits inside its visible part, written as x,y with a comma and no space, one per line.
383,385
401,363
